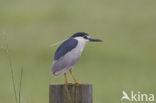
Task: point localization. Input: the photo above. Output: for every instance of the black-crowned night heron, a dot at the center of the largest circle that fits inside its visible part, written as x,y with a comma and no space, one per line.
68,53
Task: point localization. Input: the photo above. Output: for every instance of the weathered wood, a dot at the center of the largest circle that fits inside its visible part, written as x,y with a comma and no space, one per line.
61,93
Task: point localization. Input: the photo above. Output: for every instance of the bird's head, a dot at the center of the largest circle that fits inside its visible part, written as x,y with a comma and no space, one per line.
85,37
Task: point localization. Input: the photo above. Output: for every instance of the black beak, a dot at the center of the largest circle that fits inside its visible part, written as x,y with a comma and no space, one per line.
94,40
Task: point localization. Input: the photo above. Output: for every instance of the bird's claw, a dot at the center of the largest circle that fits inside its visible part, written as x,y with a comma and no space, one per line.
78,83
68,83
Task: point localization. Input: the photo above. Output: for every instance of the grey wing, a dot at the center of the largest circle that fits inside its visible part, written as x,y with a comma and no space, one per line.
63,64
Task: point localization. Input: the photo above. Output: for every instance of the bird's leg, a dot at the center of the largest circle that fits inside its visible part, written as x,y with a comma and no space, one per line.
76,82
66,80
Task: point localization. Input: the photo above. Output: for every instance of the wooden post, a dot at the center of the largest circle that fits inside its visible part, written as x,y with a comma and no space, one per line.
61,93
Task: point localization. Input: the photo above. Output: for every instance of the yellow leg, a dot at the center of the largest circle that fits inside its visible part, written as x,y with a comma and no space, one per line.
76,82
65,76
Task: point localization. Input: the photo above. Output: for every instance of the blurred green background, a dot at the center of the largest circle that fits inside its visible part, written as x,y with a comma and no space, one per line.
126,60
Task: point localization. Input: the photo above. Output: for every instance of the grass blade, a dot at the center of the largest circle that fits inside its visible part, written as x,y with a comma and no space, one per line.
11,69
20,85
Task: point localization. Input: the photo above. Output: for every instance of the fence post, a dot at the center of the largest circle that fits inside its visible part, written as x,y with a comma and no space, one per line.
71,93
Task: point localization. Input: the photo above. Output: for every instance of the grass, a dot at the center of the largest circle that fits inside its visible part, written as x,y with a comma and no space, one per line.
12,72
124,61
17,98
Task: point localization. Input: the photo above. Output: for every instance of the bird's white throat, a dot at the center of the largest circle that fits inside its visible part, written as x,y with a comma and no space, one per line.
81,43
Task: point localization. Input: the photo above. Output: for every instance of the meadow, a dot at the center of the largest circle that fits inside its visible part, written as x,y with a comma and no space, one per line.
126,60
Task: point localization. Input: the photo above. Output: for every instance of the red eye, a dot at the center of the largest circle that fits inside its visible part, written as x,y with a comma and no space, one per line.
85,37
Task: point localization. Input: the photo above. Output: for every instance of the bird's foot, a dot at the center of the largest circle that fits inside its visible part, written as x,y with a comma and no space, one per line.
68,83
78,83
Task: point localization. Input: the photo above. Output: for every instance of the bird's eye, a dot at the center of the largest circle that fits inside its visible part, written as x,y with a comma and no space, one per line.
85,37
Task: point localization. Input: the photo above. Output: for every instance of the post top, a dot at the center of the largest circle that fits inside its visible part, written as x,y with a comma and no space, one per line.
71,84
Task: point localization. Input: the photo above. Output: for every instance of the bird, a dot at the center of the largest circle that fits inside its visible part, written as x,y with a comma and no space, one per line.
69,53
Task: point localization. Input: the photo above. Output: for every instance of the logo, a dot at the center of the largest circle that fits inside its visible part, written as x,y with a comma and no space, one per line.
137,96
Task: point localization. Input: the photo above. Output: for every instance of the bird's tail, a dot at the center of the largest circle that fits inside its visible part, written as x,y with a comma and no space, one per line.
59,72
62,71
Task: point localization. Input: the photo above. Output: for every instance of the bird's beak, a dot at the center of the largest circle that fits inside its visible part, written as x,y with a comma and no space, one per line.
94,40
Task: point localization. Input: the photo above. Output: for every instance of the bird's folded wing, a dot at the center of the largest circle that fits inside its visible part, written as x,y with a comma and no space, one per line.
65,47
63,64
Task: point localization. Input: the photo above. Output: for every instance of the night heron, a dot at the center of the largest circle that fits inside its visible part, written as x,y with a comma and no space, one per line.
69,52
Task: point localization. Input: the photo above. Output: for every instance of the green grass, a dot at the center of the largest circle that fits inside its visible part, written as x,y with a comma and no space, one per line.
126,60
